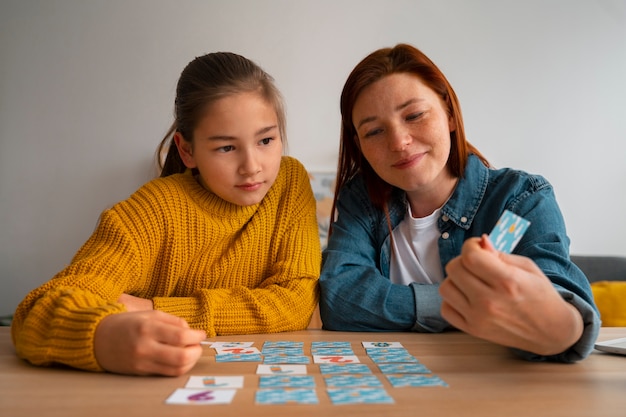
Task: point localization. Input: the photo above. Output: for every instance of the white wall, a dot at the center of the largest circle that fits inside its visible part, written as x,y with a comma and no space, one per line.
87,88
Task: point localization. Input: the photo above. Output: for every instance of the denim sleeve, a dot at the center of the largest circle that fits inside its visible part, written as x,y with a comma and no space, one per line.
428,309
354,294
547,244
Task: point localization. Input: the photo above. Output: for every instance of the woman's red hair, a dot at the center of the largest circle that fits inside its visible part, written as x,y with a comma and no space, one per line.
402,58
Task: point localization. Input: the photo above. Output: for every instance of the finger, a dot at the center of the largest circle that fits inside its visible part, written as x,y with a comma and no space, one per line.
480,260
486,243
174,360
464,281
452,294
453,316
495,267
171,319
175,331
454,303
521,262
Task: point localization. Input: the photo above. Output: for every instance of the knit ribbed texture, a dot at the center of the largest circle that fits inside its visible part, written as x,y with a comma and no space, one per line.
224,268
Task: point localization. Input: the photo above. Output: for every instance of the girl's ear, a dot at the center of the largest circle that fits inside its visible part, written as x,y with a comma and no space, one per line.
184,150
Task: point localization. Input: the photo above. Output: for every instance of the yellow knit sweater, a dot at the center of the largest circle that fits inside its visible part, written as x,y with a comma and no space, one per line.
224,268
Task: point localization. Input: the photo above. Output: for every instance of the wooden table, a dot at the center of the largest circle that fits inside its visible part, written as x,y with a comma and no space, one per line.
484,380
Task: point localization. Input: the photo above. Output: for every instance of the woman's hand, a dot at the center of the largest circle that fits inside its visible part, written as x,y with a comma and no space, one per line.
508,300
147,343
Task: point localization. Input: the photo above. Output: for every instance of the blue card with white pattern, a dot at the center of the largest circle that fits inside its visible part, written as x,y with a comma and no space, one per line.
398,381
341,396
403,368
286,396
286,381
339,381
344,368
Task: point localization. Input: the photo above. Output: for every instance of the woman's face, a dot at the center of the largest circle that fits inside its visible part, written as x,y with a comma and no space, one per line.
404,133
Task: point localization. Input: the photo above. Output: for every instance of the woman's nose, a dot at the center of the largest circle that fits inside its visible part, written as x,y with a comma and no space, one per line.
398,138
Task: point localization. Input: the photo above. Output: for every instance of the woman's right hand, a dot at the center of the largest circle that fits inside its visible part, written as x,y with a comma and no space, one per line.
507,299
147,343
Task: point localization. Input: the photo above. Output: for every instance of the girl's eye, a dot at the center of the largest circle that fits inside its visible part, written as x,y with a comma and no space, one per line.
266,141
226,148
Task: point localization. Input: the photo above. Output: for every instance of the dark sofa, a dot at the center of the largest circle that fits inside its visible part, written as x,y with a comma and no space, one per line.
602,268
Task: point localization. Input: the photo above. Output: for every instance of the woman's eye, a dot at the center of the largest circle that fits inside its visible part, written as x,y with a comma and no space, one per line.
372,132
266,141
414,116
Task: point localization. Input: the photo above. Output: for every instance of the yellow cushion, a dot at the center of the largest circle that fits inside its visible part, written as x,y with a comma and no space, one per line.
610,297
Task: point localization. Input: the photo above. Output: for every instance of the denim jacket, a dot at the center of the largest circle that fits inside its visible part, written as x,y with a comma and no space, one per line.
357,295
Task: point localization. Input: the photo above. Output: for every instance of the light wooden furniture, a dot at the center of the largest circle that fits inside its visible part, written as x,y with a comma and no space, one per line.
316,320
484,380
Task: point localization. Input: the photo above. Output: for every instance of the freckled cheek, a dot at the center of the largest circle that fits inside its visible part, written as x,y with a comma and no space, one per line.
370,154
376,160
371,148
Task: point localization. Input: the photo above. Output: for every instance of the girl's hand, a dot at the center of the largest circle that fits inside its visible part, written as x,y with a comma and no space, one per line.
133,303
508,300
147,343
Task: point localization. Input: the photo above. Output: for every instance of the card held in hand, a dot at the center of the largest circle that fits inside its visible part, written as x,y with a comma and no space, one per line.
508,231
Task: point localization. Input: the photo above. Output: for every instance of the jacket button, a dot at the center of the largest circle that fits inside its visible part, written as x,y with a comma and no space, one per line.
463,219
445,218
445,235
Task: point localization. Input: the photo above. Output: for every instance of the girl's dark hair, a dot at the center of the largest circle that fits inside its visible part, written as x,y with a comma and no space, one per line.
203,81
400,59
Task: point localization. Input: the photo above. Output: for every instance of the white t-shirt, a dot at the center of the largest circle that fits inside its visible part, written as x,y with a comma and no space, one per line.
415,254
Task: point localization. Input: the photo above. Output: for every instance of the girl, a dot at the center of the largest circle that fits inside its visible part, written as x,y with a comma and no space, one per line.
414,199
225,242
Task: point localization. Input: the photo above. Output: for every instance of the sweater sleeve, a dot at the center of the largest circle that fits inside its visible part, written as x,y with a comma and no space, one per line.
60,328
56,322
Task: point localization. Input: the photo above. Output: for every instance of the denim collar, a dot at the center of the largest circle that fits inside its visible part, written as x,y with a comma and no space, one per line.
462,206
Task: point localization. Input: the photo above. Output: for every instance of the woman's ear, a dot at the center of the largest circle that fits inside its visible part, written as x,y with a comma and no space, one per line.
357,142
185,150
452,124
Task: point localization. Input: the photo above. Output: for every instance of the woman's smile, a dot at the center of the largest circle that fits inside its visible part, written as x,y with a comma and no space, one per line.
408,162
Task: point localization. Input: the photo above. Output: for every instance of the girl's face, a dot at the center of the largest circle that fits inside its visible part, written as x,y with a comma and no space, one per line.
236,148
404,133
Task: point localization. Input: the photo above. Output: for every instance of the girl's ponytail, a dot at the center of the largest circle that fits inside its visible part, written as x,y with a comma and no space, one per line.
172,163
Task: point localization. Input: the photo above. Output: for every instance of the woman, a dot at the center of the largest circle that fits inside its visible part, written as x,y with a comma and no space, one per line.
414,200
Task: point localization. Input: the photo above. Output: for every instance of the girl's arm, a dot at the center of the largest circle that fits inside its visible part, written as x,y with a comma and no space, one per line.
56,323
